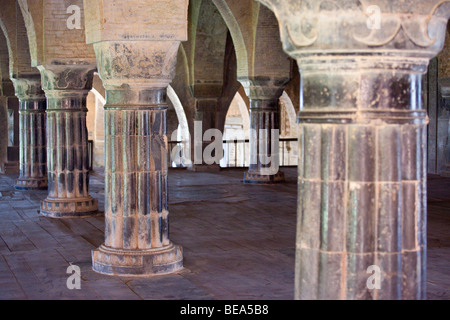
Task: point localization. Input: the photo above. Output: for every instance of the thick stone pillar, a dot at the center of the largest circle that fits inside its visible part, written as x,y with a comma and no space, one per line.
136,206
362,169
264,98
32,136
66,89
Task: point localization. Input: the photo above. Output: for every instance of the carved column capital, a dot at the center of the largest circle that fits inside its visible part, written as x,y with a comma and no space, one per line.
136,64
362,142
263,88
28,88
74,77
312,28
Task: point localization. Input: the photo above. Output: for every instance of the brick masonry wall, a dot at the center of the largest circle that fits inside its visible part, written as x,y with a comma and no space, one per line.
61,42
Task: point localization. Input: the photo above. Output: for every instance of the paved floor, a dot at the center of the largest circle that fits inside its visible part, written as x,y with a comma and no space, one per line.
238,243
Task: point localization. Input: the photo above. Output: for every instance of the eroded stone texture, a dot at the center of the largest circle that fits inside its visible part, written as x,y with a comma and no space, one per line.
136,75
264,95
33,152
66,89
136,206
362,168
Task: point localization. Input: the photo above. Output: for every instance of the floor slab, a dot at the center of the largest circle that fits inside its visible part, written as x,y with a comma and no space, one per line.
238,242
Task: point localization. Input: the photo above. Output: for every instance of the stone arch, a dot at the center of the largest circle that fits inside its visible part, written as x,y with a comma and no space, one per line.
206,49
236,34
181,115
31,11
239,101
237,114
98,95
286,102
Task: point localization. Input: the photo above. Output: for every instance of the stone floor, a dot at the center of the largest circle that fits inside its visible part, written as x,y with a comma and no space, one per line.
238,243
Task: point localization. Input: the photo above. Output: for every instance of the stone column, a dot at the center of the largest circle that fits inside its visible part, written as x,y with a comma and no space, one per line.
264,98
362,167
66,89
11,166
206,114
136,206
32,136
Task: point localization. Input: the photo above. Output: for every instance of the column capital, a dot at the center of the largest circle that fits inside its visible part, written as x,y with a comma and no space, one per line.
263,88
67,77
137,65
312,30
28,88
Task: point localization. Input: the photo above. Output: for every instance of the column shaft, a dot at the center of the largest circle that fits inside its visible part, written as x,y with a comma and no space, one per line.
136,209
264,118
362,181
67,156
33,152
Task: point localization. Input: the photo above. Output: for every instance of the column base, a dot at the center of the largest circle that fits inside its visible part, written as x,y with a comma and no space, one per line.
205,168
69,208
137,263
31,184
256,178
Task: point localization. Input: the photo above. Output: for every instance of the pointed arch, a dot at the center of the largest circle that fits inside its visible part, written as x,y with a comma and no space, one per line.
236,34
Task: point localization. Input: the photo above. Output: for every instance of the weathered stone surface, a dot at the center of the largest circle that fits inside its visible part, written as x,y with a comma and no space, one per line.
33,151
136,75
362,168
66,88
264,94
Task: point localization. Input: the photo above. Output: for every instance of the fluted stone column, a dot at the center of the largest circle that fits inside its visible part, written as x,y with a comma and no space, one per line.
66,89
264,95
362,169
136,206
32,134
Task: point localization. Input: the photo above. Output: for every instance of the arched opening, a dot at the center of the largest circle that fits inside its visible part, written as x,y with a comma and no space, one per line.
236,134
180,137
288,132
95,122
